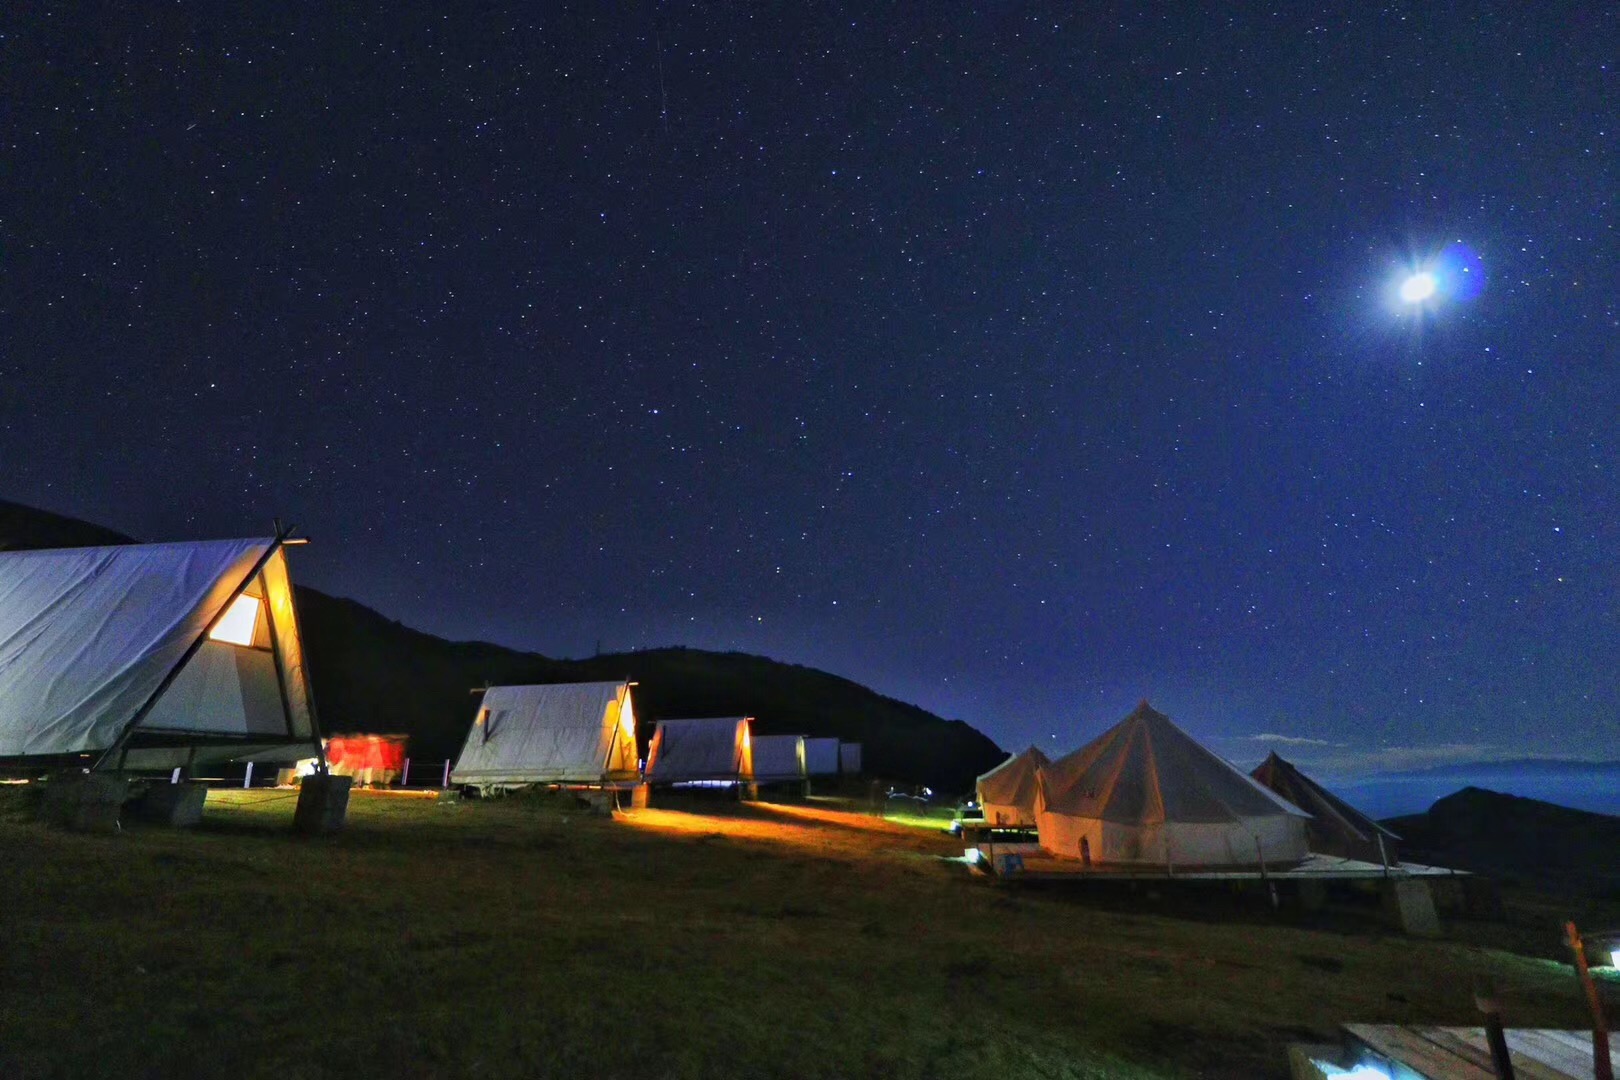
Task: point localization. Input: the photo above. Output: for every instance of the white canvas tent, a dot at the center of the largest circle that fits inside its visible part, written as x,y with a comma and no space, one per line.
151,656
778,758
710,749
821,756
561,733
1007,792
849,758
1146,792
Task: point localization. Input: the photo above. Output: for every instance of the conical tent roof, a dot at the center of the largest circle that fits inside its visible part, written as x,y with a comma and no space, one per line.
1007,792
1147,792
1147,770
1336,827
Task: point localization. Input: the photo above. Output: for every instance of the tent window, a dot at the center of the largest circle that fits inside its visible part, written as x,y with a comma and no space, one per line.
238,624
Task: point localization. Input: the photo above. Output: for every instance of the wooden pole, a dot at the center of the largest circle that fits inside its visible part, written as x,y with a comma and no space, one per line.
1485,1000
1271,886
1602,1064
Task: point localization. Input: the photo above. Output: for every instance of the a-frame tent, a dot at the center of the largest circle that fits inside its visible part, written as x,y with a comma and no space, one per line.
1335,827
152,656
559,733
708,749
778,759
1146,792
821,756
1007,792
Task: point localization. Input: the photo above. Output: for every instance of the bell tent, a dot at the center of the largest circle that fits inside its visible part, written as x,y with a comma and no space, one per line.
779,759
152,656
707,750
1336,827
1007,792
1146,792
559,733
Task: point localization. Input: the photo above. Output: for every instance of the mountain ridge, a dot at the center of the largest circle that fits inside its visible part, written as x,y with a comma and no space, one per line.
374,674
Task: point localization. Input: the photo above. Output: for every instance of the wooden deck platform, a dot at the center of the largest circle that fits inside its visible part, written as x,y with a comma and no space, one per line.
1447,1053
1037,865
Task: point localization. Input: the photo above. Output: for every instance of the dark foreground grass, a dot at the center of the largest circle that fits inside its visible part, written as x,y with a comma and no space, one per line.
520,938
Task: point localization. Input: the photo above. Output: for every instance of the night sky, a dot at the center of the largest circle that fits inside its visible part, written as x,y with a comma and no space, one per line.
1020,362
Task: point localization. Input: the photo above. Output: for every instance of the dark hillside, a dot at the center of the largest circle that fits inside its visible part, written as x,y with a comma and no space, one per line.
372,674
1519,841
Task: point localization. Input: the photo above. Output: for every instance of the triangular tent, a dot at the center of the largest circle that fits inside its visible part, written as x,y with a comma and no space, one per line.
562,733
1147,792
708,749
151,655
778,758
821,756
1007,792
1336,827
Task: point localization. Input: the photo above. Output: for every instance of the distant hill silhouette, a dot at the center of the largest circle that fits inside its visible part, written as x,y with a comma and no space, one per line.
372,674
1516,840
1520,766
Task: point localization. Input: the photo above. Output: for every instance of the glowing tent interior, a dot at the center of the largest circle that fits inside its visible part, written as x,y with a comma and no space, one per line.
709,749
152,656
560,733
1007,792
1335,827
1146,792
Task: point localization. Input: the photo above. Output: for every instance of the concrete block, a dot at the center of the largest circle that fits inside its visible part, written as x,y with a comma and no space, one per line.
177,805
323,803
1410,905
84,802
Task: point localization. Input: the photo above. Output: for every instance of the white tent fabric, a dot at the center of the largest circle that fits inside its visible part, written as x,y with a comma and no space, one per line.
849,758
1007,792
715,748
778,758
821,756
1147,792
89,635
562,733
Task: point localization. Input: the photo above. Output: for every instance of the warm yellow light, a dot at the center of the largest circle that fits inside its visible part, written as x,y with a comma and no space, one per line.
236,626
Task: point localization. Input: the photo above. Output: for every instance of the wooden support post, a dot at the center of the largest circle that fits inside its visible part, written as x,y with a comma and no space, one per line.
1602,1064
1271,886
1485,1000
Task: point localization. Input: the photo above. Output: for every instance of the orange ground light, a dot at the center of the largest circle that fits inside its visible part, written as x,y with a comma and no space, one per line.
808,828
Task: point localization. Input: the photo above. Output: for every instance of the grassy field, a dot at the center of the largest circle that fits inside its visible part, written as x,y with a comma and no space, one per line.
521,937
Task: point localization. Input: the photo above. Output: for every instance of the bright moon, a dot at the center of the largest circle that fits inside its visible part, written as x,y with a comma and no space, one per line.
1418,288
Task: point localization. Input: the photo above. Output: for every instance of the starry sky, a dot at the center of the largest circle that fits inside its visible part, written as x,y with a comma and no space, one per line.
1017,360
